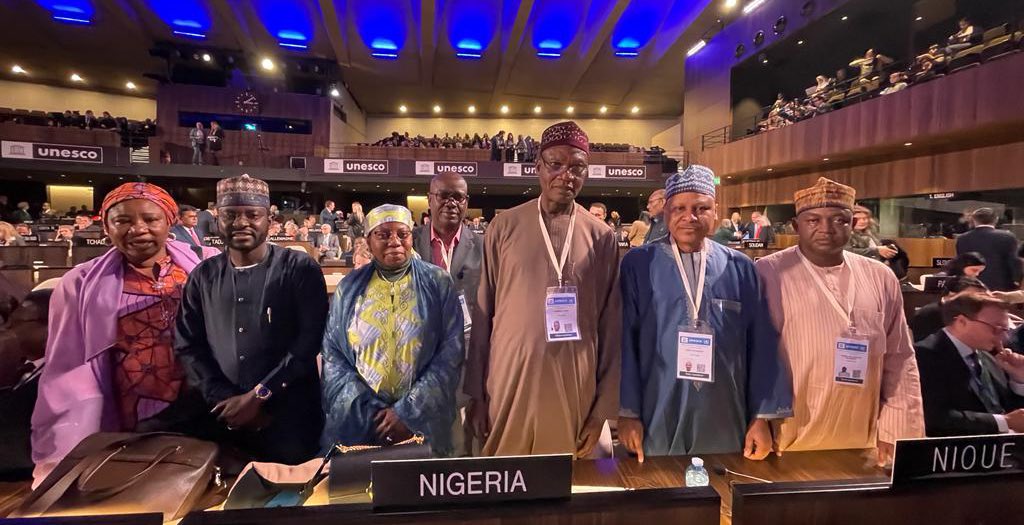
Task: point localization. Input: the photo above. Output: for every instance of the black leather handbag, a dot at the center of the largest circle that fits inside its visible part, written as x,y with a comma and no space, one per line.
349,481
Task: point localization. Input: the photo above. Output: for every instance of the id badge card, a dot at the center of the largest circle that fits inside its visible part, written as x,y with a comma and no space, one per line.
695,353
560,314
851,363
467,320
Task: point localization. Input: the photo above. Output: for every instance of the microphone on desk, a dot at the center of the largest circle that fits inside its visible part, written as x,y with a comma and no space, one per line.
721,471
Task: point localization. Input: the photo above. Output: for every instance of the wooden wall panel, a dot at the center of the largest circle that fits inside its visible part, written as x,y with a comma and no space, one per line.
72,136
978,169
972,107
240,146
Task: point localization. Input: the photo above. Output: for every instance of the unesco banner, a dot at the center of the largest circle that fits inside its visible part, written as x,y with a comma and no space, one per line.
438,167
53,152
601,171
356,166
932,459
492,480
519,170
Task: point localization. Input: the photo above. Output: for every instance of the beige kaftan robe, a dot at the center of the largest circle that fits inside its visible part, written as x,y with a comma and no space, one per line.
542,394
828,415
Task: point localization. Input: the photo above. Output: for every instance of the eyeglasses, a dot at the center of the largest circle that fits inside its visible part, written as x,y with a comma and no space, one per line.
557,168
995,328
456,196
385,236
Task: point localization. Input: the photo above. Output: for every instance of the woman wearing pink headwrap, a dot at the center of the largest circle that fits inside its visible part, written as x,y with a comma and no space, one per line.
109,362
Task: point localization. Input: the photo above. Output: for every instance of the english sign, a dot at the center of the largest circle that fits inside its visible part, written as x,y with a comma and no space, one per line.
519,170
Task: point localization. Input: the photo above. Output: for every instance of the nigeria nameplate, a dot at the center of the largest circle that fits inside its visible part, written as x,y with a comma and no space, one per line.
434,482
930,459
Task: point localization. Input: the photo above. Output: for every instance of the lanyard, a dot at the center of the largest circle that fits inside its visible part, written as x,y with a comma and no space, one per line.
694,299
557,263
846,312
447,254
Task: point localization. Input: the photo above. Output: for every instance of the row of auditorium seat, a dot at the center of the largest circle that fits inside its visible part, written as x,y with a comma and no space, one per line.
996,42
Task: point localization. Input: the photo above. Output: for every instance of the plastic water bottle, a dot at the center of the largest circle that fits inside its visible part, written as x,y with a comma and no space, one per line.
696,476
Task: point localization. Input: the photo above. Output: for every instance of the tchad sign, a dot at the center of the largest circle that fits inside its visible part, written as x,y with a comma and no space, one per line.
601,171
437,167
51,152
357,166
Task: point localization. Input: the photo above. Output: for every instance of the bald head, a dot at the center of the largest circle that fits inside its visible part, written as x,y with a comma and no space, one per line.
448,199
656,203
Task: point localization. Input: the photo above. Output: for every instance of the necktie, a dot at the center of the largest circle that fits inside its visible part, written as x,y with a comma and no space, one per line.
757,231
983,384
192,232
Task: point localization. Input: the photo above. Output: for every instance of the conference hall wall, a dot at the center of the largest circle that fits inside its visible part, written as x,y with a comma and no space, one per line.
645,132
38,97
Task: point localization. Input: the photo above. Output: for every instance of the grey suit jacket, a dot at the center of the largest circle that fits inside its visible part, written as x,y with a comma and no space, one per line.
466,261
332,244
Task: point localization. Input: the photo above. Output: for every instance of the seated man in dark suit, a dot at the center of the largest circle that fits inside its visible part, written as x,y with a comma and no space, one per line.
759,229
187,230
970,384
928,319
1003,268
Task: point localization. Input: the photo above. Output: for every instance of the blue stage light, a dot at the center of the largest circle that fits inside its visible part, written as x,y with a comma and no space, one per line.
380,25
638,24
187,18
69,11
288,21
471,26
556,23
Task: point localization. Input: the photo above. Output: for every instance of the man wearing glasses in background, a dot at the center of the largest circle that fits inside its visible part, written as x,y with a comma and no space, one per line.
543,366
656,208
970,383
449,244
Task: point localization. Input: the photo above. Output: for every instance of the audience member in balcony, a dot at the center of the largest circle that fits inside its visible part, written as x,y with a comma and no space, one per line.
821,85
871,64
356,221
930,63
897,82
9,236
47,212
21,214
215,138
485,141
508,147
327,243
961,39
197,136
327,214
89,121
107,121
497,145
520,149
67,119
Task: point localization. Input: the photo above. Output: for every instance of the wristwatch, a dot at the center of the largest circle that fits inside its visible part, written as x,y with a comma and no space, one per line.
262,393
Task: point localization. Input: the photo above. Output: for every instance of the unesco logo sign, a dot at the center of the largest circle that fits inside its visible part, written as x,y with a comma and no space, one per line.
520,170
51,152
600,171
430,167
356,167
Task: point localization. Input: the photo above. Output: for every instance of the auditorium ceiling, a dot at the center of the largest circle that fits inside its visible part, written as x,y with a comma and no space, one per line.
416,53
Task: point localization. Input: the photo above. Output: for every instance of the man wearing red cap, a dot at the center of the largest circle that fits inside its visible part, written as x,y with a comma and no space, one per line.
543,364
